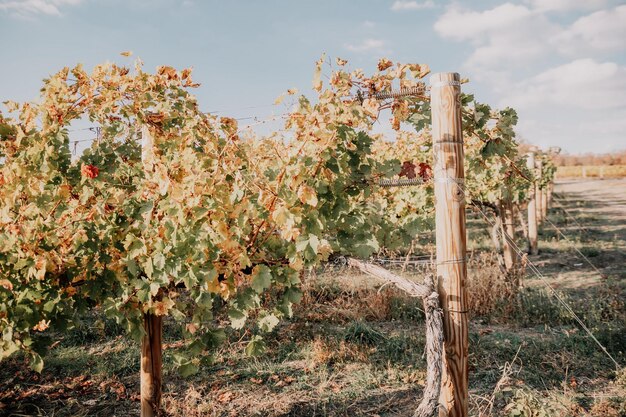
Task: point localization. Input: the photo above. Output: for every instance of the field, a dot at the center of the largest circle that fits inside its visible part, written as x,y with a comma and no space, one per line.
355,348
591,171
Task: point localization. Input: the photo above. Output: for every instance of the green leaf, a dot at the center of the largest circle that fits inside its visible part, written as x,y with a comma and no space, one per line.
268,322
261,278
294,295
237,318
187,369
185,366
36,362
256,346
134,246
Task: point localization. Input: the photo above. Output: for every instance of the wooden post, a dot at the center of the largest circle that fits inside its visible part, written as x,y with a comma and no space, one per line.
539,191
550,190
532,209
508,232
518,210
151,346
544,202
151,365
451,239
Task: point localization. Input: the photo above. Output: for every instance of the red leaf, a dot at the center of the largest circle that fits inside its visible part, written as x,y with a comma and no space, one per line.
89,171
425,171
408,170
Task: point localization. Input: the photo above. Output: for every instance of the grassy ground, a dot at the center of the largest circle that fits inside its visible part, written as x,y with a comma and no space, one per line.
356,349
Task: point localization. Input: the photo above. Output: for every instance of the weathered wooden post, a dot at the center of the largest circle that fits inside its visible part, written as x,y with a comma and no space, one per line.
451,239
544,202
532,208
151,344
550,190
508,234
539,190
519,210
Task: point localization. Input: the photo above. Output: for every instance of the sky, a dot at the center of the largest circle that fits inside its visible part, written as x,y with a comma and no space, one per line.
560,63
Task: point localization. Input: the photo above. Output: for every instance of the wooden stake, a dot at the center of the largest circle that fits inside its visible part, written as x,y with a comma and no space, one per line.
532,210
151,346
544,203
508,229
451,239
151,366
538,191
550,190
522,219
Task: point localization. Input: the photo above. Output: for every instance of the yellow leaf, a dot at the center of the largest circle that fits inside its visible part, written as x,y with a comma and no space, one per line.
371,107
5,283
290,232
281,97
126,53
42,325
317,75
384,63
162,307
191,328
307,195
280,215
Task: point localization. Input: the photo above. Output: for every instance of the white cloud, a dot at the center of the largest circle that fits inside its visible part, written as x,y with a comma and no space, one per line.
574,131
566,5
583,83
29,8
516,34
366,45
401,5
461,24
558,62
505,35
602,31
578,106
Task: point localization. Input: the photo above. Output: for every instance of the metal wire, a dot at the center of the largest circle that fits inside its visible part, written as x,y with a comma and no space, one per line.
574,246
567,213
553,291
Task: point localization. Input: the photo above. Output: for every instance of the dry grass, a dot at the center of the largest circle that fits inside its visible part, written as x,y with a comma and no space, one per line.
488,289
329,352
591,171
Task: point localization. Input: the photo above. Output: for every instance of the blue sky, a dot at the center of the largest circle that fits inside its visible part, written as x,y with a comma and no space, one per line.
560,63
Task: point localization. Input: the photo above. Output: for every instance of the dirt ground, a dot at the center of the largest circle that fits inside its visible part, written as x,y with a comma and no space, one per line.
600,203
591,215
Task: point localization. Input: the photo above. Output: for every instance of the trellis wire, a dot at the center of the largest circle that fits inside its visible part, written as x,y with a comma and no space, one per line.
567,213
574,246
554,293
